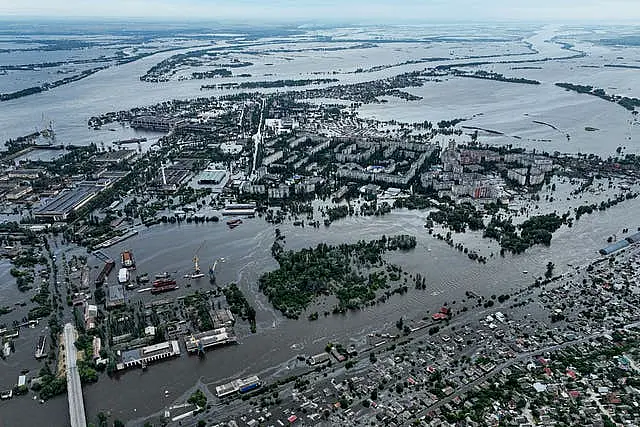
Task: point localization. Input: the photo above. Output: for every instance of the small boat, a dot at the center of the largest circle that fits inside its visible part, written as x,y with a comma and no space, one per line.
6,351
234,223
525,272
127,260
164,275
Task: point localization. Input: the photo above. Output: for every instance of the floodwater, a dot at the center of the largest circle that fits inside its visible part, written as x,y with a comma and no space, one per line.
246,250
508,108
505,107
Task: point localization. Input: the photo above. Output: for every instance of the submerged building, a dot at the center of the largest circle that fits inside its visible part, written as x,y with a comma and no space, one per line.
144,355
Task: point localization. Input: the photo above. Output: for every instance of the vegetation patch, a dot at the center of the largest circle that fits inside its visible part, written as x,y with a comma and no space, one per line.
458,217
536,230
347,271
239,305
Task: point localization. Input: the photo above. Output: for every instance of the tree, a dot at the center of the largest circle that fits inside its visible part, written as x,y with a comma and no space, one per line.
102,419
549,273
399,323
198,398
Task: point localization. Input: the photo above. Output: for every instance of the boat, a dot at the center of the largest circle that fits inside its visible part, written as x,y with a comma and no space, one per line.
196,269
127,260
234,223
248,209
41,347
164,275
6,395
130,141
525,272
144,278
164,288
163,282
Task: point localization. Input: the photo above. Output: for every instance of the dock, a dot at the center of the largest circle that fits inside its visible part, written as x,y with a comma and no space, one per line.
213,338
117,239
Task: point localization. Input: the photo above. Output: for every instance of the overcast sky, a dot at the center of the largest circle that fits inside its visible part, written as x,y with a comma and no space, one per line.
333,10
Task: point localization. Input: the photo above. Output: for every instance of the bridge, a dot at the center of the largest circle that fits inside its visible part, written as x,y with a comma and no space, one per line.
74,388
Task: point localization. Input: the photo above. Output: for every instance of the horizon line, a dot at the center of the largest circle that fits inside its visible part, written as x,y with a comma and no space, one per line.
299,21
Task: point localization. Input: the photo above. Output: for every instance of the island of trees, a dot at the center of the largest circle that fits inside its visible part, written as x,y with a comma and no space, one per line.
624,101
536,230
267,84
351,272
487,75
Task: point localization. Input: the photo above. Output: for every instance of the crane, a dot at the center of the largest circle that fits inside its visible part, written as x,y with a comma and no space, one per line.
196,265
198,343
212,270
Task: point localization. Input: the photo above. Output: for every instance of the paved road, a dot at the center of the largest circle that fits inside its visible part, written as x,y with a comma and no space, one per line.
74,388
258,139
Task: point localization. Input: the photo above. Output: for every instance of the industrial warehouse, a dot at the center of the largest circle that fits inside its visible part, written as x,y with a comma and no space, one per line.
144,355
620,244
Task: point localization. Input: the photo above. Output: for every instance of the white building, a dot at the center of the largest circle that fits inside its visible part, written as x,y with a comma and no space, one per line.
518,175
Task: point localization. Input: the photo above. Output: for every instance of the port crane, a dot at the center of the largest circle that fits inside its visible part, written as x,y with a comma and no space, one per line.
199,344
196,265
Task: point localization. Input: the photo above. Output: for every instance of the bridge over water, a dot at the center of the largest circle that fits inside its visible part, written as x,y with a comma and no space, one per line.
74,388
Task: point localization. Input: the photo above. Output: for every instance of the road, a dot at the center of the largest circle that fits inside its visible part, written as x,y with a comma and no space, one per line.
74,388
257,139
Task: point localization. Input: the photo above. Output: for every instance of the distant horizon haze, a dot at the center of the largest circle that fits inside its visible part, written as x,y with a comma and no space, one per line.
330,11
